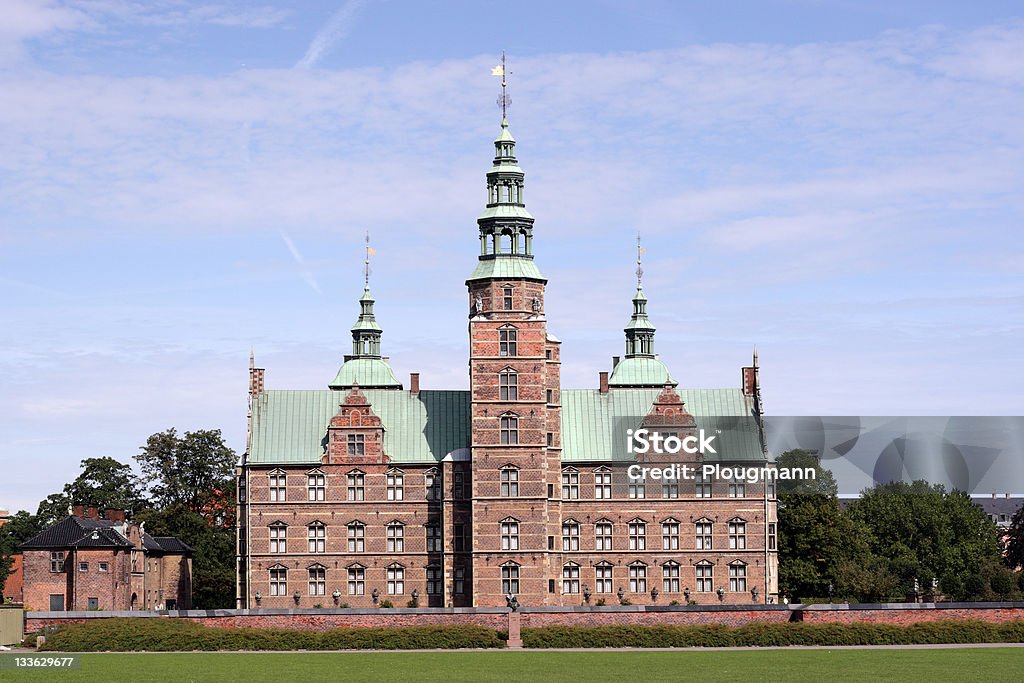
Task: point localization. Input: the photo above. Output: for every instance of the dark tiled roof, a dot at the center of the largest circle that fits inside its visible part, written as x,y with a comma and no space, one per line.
75,532
170,544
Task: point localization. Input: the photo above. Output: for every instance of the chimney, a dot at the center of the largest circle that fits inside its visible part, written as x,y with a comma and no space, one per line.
604,382
749,381
414,382
615,362
113,515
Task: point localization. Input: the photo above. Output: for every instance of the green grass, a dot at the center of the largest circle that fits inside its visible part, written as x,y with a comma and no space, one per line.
753,665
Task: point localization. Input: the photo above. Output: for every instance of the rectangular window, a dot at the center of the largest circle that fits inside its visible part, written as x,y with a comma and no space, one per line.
603,485
771,536
356,581
433,539
509,386
433,482
396,485
279,538
551,439
638,490
241,489
317,581
356,444
604,578
603,540
396,538
637,536
702,486
94,603
506,297
460,581
460,537
509,430
278,488
317,538
770,488
316,486
703,535
459,485
638,578
737,489
356,481
670,578
670,490
104,567
396,580
356,538
570,537
433,580
570,485
737,535
510,482
83,566
279,581
737,578
510,579
570,579
507,342
510,535
670,536
550,396
705,578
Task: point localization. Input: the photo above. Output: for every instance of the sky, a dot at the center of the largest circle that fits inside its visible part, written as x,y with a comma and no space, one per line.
837,182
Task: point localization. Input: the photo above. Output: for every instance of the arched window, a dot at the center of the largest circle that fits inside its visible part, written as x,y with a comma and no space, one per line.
508,385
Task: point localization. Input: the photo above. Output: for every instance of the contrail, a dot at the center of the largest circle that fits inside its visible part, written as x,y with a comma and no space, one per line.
306,274
336,28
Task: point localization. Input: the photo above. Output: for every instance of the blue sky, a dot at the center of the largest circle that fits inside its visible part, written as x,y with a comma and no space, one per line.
836,182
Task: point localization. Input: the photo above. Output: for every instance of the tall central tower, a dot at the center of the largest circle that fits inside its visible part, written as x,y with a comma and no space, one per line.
514,387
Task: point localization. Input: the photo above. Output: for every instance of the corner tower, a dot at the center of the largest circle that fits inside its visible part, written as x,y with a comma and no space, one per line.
515,395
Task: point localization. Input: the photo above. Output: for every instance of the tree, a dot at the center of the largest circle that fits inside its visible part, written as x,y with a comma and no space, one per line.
186,471
1014,557
104,483
18,529
925,532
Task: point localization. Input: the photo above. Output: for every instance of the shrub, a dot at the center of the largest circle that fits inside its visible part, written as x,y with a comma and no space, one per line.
386,604
600,603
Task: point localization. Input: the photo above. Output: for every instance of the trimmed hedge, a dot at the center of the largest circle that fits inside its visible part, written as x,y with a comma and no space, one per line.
163,635
773,635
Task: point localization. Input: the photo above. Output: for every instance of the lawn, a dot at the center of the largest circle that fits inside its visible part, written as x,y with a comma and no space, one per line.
751,665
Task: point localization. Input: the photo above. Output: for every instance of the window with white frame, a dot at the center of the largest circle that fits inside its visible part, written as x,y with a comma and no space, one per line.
637,489
571,578
317,580
508,385
356,485
278,486
702,486
737,534
604,577
57,561
670,490
637,535
603,535
433,484
603,483
705,577
356,444
356,537
769,488
510,534
396,579
670,577
433,539
509,481
638,577
670,535
278,538
433,580
737,577
396,484
702,529
356,580
510,578
509,430
317,538
396,537
737,488
316,485
570,536
507,341
506,298
278,580
570,483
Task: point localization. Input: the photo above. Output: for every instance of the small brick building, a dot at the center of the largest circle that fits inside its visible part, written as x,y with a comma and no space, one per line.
97,560
368,491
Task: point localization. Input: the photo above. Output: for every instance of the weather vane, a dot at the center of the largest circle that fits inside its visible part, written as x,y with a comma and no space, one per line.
639,253
504,100
366,261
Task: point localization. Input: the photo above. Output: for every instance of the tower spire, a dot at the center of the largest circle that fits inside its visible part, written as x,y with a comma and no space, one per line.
366,263
639,266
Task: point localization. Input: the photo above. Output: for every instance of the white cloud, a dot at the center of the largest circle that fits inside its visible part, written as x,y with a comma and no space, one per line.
336,28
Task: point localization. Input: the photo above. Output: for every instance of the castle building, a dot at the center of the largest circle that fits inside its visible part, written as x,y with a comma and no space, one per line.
369,491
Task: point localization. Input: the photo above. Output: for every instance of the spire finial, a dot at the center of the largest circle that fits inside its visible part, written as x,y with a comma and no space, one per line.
504,101
639,266
366,262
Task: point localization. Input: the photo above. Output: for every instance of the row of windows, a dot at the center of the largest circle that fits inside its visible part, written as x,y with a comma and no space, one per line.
670,577
316,485
316,580
638,489
316,537
670,532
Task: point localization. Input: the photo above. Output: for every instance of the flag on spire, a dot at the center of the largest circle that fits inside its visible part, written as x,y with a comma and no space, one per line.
498,70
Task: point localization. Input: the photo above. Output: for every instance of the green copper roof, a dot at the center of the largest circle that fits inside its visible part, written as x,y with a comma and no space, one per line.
505,135
291,426
506,267
371,373
594,424
641,371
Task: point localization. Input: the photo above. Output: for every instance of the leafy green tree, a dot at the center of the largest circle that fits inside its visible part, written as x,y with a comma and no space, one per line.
52,509
925,532
1014,557
185,471
18,529
104,483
